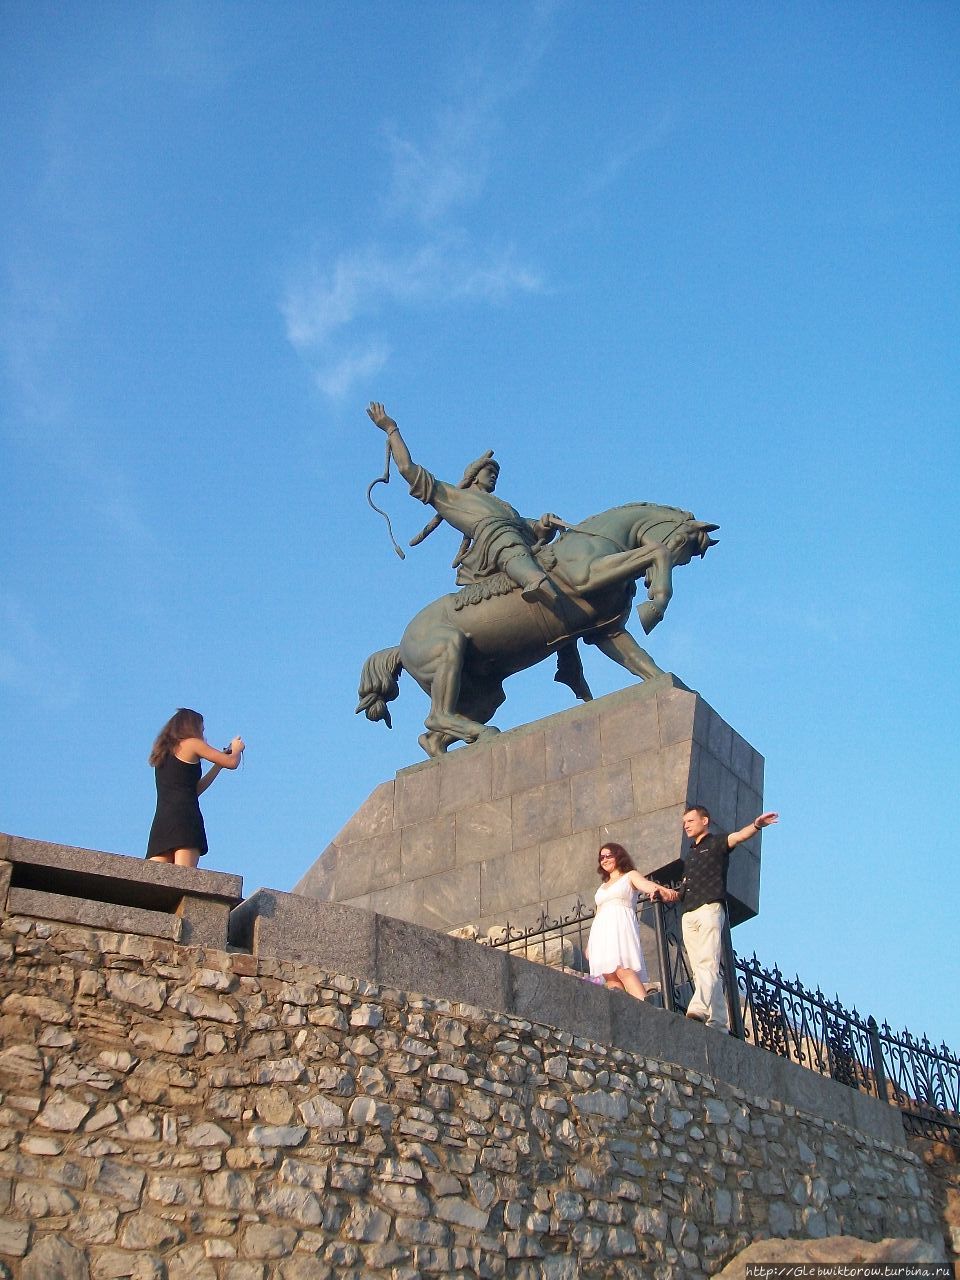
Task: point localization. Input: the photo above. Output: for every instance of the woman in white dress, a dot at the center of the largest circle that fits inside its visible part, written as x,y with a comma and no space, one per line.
613,947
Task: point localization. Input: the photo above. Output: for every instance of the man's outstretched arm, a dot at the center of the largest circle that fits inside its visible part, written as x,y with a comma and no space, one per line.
401,454
751,829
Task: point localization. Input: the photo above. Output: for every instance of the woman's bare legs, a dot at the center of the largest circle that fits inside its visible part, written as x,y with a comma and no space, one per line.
626,980
179,857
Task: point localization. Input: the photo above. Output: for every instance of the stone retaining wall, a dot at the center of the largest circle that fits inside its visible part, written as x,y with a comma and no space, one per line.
189,1113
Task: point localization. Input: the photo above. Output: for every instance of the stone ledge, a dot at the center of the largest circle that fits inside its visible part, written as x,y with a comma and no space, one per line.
401,955
93,915
87,886
144,883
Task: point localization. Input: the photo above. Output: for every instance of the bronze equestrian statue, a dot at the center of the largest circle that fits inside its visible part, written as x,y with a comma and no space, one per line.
525,594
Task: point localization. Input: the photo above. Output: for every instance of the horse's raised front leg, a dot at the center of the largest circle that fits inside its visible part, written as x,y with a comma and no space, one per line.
444,724
622,648
619,566
653,560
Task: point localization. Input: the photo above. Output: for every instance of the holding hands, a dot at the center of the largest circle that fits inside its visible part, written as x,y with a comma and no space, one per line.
663,894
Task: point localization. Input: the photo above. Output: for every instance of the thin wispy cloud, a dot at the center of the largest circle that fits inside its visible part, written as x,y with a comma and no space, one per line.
341,314
655,134
359,283
32,314
38,325
430,179
498,277
44,294
335,314
370,284
339,375
50,272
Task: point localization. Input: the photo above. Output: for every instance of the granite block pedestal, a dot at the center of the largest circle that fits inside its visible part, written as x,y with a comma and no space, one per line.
511,827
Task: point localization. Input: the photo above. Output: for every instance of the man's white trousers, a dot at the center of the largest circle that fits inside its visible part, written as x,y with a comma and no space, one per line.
703,943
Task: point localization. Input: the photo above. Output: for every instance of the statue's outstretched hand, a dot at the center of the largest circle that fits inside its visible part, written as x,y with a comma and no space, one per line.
377,414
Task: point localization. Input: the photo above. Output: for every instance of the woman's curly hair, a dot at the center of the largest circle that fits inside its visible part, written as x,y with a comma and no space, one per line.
623,860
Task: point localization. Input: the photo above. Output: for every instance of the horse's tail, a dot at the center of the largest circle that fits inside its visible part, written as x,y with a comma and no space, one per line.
378,684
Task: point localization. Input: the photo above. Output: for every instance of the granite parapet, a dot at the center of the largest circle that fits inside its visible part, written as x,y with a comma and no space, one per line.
103,890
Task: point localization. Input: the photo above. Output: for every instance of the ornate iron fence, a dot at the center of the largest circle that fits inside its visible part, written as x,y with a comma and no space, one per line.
776,1014
914,1075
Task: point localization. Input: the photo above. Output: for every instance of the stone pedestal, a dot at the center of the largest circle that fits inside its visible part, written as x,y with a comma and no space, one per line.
508,828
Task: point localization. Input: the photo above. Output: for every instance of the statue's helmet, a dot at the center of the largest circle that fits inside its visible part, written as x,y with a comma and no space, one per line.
478,465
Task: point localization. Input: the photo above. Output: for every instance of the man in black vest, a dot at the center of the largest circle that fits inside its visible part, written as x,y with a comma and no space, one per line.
704,893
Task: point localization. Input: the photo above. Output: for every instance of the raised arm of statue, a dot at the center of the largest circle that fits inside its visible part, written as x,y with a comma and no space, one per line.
379,416
398,448
497,538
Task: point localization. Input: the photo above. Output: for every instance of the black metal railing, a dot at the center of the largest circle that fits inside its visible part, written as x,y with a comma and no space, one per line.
774,1013
781,1015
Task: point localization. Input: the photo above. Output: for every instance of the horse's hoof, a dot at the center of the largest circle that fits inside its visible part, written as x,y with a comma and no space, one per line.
491,731
432,743
649,615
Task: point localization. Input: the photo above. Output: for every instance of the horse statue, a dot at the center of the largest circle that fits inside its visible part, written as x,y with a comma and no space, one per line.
461,647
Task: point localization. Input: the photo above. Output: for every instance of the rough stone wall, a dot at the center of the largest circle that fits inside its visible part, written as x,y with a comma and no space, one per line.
943,1173
172,1112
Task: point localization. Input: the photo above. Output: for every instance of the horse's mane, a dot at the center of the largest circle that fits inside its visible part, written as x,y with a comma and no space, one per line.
639,507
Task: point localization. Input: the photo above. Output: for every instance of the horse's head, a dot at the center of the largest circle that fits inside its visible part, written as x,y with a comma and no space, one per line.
681,537
691,539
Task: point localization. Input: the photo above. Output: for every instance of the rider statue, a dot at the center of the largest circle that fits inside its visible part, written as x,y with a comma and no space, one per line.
496,538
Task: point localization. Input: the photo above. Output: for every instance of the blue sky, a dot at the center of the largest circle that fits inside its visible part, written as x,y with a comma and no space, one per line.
699,255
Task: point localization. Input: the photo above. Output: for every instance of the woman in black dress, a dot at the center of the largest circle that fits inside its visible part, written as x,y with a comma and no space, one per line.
177,834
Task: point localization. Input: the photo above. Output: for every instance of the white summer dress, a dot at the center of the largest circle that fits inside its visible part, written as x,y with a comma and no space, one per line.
614,941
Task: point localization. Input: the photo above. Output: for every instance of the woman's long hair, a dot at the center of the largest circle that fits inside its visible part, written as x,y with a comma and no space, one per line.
184,723
624,862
